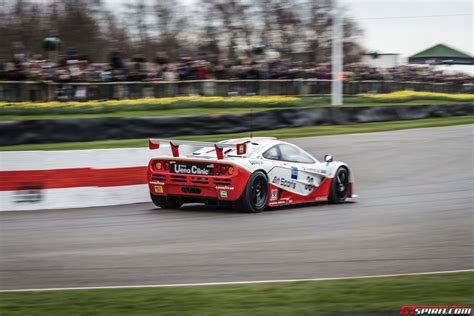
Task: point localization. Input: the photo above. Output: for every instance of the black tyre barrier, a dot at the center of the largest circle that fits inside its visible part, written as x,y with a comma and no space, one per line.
76,130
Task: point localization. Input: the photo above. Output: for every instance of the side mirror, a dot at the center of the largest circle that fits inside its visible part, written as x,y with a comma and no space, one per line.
328,158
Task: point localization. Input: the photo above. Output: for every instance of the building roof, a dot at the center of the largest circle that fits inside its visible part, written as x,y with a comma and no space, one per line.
440,51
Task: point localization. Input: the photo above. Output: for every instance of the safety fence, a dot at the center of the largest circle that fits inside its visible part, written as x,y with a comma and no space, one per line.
17,91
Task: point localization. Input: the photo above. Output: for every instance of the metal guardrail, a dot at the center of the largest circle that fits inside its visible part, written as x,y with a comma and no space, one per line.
17,91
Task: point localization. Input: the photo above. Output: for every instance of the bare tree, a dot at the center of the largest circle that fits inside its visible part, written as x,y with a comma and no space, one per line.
76,24
353,50
138,13
216,27
281,24
231,18
21,26
170,23
319,29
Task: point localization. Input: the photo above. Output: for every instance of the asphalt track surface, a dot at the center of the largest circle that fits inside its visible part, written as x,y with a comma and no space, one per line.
414,214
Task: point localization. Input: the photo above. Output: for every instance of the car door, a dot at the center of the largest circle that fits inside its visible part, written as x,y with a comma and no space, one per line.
293,169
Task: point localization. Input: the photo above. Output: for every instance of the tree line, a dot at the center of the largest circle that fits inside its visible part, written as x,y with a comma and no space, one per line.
173,29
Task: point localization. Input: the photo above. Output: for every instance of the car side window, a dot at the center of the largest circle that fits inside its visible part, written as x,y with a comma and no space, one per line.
293,154
272,153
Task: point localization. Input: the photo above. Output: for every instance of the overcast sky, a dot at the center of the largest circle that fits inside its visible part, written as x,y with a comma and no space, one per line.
408,36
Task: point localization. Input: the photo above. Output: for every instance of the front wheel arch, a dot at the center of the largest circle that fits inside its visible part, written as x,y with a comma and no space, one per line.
254,197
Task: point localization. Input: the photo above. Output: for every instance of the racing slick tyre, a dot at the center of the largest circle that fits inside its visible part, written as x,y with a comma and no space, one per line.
339,186
169,202
255,195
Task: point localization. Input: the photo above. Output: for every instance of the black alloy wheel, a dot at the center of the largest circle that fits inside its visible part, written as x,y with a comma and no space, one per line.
255,195
339,186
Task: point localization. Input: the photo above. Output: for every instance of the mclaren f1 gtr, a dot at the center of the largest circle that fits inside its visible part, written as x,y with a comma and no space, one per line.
249,173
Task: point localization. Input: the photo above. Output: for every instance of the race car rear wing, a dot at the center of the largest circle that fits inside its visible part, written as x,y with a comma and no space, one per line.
241,149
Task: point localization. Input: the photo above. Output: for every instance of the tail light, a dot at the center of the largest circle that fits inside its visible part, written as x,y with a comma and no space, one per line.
161,165
222,170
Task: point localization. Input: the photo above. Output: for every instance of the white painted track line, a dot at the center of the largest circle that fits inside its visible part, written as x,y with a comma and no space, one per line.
232,282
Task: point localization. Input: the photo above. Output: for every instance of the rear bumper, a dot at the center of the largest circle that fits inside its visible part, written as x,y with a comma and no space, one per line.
223,188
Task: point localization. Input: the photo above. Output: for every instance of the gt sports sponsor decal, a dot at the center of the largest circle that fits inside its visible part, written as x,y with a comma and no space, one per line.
287,183
256,162
435,310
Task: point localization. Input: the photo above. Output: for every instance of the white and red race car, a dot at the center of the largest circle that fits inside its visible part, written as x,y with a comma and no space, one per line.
248,173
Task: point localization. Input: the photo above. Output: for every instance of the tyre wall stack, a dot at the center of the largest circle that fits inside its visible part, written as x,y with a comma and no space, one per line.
76,130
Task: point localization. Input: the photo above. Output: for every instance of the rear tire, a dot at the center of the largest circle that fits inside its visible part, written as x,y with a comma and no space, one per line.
339,186
169,202
255,196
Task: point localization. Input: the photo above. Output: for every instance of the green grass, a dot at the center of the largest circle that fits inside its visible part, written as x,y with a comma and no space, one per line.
12,112
298,298
280,133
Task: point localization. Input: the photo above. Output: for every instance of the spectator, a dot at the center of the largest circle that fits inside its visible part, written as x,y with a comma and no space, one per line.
74,67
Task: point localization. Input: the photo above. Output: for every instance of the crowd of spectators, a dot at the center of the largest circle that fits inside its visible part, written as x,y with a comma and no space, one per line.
74,68
418,73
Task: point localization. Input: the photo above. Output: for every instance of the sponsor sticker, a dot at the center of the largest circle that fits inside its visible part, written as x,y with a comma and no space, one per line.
241,149
287,183
156,182
228,188
223,194
274,195
256,162
158,189
435,310
191,168
29,193
294,173
282,202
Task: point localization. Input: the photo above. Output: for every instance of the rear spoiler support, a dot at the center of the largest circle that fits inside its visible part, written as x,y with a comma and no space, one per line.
174,149
219,152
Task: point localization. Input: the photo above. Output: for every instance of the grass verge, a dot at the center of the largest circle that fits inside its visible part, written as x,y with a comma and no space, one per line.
385,294
280,133
194,106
